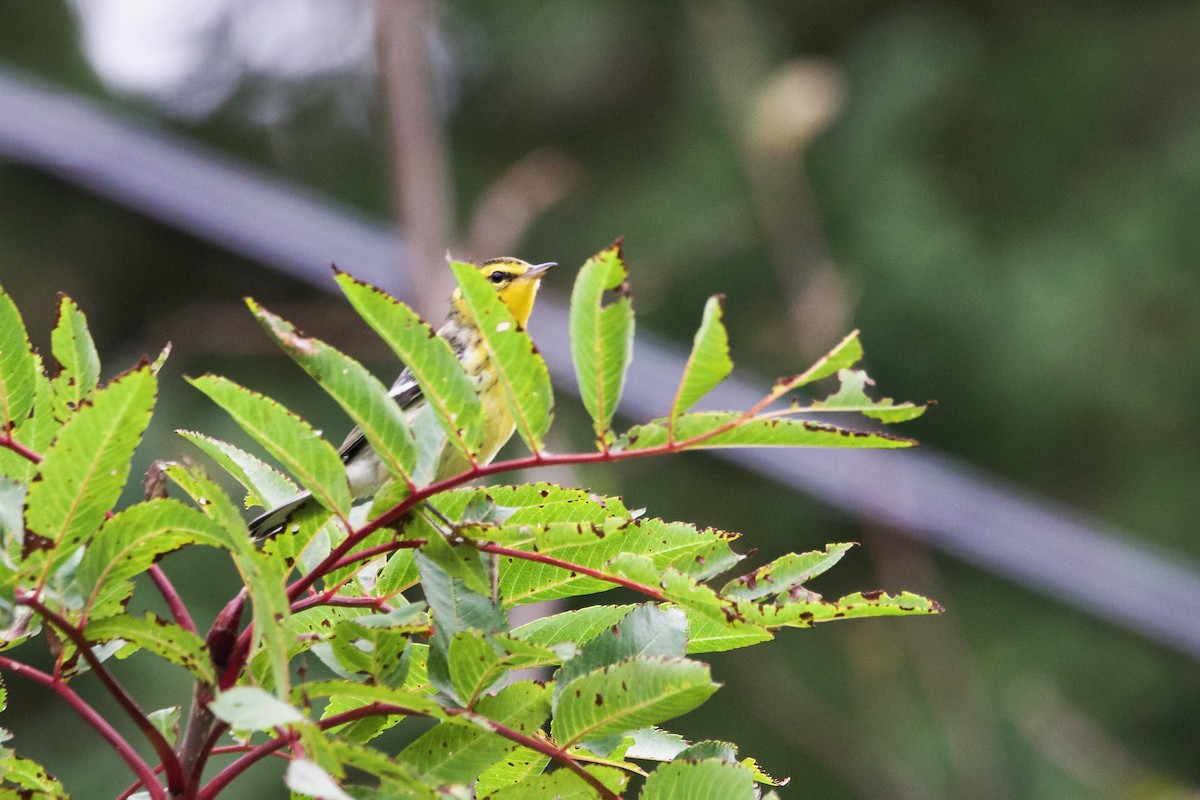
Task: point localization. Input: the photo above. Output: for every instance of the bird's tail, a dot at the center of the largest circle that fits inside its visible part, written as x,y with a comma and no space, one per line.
272,522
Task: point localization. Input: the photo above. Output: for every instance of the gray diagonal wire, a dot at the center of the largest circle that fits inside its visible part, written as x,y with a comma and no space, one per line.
931,497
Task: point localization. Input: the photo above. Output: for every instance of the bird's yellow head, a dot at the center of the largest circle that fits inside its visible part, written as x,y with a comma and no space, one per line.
516,282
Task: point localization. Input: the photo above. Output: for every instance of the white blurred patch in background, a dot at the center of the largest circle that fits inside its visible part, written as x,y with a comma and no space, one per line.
192,57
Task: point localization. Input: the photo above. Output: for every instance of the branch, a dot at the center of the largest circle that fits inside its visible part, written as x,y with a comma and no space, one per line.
12,444
174,601
117,742
175,778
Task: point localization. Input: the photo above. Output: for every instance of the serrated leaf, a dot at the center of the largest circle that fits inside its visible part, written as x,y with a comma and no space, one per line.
458,750
648,630
601,336
515,768
129,543
311,780
83,472
262,576
165,639
18,368
709,362
364,399
287,437
266,486
563,784
451,395
730,429
577,626
30,779
851,396
628,695
78,362
709,634
248,708
784,573
805,613
477,662
845,353
518,367
454,608
374,652
710,779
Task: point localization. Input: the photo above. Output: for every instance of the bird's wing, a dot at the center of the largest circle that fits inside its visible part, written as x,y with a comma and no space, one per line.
405,392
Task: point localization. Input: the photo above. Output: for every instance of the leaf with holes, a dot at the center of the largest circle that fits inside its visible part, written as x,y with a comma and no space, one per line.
83,472
709,362
165,639
78,362
733,429
628,695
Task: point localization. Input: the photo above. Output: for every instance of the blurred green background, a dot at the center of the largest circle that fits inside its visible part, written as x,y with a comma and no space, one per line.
1002,195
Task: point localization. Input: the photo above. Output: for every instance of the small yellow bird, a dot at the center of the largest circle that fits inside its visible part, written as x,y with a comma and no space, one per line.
516,282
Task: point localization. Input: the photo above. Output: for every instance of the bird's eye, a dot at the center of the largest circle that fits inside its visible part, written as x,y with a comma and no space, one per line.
497,277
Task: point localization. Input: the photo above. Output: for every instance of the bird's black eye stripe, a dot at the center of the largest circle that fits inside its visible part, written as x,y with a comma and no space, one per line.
498,277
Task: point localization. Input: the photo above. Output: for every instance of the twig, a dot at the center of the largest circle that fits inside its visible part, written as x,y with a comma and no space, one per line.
118,743
174,601
12,444
175,779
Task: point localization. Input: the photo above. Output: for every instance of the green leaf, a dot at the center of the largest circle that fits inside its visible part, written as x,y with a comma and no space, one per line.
519,368
784,573
628,695
248,708
453,608
375,652
601,336
513,770
18,369
572,626
478,661
78,362
165,639
267,486
166,721
806,612
709,362
356,390
83,472
287,437
30,779
130,543
458,750
710,779
563,784
451,395
311,780
708,634
845,353
732,429
263,577
852,397
648,630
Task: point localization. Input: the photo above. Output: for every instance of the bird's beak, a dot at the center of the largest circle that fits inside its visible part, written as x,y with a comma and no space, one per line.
538,270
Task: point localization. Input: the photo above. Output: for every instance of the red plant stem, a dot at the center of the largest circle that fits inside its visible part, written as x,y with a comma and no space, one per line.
544,747
12,444
166,755
379,549
336,600
573,567
223,750
117,742
174,601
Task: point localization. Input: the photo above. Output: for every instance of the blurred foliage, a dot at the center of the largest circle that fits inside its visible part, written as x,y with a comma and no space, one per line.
1006,195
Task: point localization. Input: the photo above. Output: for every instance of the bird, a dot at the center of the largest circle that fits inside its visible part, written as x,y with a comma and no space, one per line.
516,282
